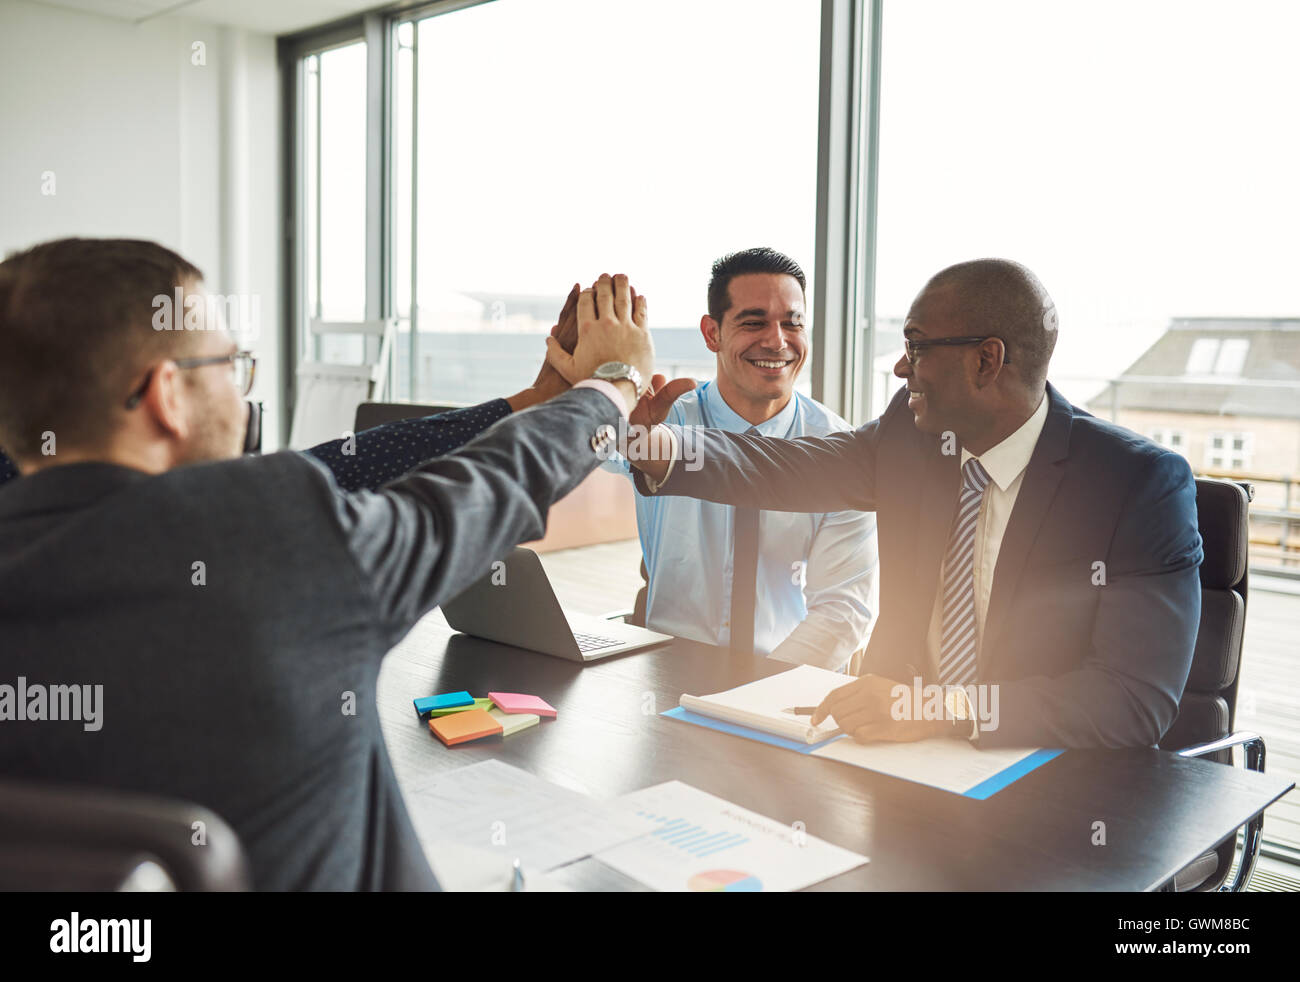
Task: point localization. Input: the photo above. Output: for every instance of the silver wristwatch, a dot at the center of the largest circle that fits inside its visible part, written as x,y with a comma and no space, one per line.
616,371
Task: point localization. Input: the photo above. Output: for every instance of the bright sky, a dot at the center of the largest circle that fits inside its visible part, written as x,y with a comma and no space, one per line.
1142,158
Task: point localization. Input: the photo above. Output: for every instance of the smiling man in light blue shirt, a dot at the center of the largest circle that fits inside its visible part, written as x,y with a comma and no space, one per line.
808,582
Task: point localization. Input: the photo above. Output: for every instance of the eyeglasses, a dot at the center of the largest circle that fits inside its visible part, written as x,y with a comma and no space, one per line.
913,347
243,366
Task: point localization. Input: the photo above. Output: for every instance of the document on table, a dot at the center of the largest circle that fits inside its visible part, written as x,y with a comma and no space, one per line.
706,844
496,807
762,704
953,765
755,711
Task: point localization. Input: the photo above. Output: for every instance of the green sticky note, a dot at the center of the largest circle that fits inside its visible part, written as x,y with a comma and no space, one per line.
484,704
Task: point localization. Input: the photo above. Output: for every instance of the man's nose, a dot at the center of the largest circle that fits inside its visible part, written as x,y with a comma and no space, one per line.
903,367
773,339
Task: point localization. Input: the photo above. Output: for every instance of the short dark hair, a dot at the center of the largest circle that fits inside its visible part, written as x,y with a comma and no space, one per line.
758,260
76,333
1004,299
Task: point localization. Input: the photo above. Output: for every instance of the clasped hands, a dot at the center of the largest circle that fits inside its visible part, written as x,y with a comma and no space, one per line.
607,322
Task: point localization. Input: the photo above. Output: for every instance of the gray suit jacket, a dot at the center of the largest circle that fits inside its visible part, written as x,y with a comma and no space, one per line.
1080,660
232,692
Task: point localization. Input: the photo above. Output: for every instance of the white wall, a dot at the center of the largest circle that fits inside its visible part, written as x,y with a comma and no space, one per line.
143,143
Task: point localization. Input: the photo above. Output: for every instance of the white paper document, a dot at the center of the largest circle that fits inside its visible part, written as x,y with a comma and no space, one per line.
704,843
502,809
953,765
762,704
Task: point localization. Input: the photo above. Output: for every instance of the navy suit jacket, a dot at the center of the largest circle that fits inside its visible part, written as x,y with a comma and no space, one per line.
1083,655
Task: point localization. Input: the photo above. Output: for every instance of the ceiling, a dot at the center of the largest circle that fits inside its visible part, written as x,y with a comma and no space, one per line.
263,16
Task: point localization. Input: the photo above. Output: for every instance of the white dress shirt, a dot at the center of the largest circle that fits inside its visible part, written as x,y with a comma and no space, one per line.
816,582
1005,465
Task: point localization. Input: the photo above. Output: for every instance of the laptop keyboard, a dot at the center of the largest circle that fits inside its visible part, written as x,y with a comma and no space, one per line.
593,642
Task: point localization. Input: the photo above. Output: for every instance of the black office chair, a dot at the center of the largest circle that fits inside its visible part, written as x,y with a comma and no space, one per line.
377,413
70,838
1207,711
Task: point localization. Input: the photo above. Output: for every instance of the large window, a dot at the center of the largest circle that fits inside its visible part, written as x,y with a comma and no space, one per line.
540,144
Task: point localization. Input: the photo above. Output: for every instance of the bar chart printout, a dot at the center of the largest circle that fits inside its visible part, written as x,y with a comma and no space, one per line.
699,842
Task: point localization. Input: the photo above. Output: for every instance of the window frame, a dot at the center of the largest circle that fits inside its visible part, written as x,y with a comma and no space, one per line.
845,210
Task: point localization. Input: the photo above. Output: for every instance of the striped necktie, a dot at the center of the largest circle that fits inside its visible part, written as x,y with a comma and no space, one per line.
959,644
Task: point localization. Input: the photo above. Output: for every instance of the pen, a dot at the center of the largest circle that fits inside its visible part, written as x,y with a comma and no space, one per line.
517,884
800,710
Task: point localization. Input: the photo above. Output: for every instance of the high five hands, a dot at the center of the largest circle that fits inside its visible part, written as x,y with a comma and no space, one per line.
605,323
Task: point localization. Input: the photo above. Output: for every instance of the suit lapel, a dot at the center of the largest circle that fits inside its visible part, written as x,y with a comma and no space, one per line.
1042,476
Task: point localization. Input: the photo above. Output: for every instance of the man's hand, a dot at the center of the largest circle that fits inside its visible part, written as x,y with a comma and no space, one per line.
862,710
611,327
549,382
653,406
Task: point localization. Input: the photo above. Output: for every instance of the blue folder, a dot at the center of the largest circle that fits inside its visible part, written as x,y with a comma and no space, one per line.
985,789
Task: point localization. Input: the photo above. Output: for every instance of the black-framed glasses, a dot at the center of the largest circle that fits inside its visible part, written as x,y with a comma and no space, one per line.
242,363
912,347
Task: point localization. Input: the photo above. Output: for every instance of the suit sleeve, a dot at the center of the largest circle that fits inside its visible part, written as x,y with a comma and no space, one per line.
836,472
383,453
428,535
1126,692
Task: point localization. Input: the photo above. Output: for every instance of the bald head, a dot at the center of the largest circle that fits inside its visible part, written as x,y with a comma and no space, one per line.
998,298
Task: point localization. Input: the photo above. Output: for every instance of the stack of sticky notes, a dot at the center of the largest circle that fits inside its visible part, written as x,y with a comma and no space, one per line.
472,724
457,717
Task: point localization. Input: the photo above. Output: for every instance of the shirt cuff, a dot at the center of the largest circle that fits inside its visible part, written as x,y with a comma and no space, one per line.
653,486
608,388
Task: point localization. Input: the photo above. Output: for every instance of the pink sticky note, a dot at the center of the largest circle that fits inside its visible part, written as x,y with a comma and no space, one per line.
518,702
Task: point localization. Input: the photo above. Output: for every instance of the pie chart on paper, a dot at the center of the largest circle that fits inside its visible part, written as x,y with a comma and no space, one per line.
724,881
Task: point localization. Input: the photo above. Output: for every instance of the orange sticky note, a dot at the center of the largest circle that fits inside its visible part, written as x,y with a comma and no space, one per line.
460,727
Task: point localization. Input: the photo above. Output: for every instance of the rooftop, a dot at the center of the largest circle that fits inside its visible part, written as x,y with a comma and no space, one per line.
1222,366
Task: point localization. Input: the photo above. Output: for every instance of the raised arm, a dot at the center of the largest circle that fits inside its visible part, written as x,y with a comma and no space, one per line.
428,535
373,457
807,474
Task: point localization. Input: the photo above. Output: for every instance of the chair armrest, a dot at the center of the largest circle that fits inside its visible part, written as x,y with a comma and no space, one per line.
1254,748
1253,743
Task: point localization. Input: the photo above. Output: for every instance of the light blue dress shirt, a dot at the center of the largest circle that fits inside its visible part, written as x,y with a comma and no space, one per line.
817,591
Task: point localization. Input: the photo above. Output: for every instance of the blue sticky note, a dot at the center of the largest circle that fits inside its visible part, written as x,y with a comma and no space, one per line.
448,700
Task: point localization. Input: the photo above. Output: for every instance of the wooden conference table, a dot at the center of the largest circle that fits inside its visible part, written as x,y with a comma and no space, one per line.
1161,811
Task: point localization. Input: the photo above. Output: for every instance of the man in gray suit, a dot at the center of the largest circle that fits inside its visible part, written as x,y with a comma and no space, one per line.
235,610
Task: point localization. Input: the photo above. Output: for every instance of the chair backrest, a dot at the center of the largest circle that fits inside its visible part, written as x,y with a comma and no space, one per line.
60,837
1207,709
328,392
377,413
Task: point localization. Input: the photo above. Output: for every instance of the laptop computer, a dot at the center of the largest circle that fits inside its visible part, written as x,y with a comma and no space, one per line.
515,605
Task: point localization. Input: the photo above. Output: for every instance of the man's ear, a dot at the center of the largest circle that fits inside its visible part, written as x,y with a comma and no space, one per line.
712,332
164,401
992,355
